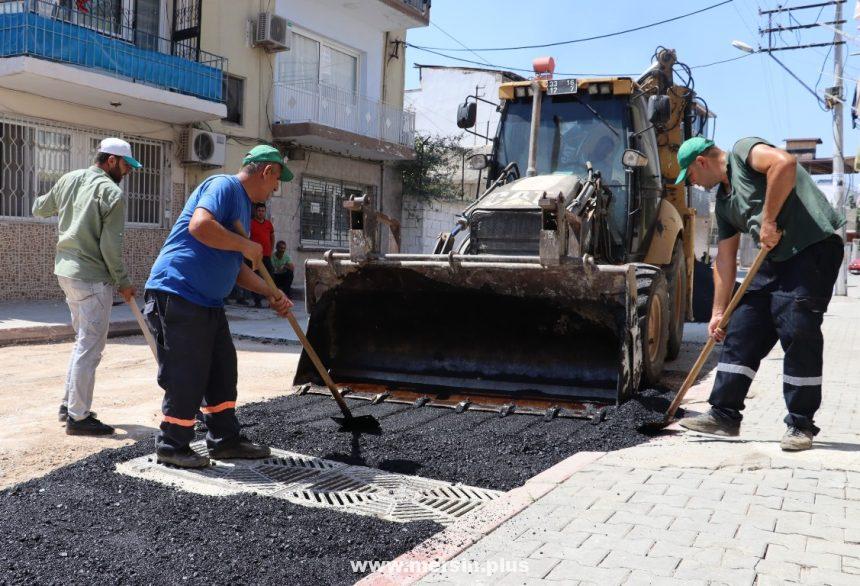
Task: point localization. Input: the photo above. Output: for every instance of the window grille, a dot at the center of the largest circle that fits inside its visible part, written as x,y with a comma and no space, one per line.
323,219
35,154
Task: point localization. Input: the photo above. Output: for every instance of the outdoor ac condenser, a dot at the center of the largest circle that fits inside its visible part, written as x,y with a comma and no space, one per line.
272,32
201,147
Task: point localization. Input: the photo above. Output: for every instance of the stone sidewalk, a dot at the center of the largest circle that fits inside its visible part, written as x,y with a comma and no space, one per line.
692,509
50,321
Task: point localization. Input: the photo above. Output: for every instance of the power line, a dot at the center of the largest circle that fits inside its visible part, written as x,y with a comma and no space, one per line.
584,39
503,67
509,68
744,56
450,36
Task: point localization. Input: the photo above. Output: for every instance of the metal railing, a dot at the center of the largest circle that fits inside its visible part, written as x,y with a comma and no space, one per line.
421,6
107,39
344,110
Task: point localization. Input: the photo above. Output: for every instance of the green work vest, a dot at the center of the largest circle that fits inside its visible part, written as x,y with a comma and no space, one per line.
806,217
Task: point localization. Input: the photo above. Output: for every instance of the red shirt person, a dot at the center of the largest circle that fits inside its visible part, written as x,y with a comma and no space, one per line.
263,233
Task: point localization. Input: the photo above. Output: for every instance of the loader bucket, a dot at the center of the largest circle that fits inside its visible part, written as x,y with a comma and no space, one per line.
494,329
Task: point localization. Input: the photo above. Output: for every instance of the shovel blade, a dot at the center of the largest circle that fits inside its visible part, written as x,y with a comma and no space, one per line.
362,424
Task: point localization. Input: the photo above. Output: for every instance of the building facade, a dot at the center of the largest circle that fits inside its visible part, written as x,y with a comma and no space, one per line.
193,86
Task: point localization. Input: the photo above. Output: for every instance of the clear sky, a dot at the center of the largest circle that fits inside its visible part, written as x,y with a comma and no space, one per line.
751,96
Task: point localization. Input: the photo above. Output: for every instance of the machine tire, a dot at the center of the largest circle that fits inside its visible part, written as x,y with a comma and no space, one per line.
653,309
676,277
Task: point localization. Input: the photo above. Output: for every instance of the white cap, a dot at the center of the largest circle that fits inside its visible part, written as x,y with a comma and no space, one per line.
120,148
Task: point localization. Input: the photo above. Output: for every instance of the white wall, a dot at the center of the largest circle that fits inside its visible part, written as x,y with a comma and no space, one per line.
442,90
422,221
327,20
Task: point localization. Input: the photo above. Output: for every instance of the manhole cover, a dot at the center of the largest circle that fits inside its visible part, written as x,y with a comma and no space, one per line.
315,482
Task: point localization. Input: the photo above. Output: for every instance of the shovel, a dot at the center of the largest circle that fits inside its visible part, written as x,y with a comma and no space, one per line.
135,310
656,426
363,423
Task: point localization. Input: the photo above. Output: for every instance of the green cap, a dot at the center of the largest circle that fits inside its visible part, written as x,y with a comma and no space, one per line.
692,148
268,154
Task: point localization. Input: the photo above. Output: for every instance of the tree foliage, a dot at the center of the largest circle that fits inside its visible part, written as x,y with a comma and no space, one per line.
436,165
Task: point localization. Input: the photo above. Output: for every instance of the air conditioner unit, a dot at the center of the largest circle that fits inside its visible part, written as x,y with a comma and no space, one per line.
272,32
201,147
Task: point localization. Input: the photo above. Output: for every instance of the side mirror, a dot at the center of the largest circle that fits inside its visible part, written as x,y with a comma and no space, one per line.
467,115
478,162
633,159
659,110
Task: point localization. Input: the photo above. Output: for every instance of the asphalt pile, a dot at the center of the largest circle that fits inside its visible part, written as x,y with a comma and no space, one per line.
476,448
85,523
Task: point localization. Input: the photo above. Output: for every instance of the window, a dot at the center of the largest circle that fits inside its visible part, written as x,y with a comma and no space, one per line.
34,155
31,160
323,219
143,187
234,95
312,63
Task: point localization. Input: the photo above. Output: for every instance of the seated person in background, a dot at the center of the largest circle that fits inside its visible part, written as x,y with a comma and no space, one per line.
283,268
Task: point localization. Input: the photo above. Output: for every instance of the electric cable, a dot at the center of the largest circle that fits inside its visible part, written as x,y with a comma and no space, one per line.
593,38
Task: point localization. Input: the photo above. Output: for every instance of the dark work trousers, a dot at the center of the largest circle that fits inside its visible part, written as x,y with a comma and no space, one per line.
196,369
284,281
786,301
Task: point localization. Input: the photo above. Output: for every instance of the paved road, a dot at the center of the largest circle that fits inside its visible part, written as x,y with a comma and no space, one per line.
690,509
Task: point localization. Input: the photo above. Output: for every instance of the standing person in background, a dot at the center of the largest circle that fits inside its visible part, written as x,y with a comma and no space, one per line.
263,233
283,268
88,264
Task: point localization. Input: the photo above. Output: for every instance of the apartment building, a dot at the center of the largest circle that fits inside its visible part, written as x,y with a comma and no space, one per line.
193,85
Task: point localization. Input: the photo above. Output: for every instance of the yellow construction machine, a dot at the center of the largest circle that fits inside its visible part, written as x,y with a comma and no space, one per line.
564,285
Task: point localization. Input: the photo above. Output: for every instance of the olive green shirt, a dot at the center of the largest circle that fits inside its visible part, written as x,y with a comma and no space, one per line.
91,211
805,218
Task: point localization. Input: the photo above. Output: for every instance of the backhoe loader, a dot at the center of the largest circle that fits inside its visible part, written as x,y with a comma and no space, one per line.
563,287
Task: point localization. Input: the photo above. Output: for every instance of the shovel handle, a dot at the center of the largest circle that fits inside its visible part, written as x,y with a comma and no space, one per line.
706,351
321,369
135,310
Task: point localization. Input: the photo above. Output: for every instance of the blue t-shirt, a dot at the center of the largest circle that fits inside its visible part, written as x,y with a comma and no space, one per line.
187,267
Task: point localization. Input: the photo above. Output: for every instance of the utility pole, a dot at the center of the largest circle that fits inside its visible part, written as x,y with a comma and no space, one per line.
838,159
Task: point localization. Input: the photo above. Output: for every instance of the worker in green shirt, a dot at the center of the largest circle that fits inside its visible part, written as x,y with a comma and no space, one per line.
283,268
91,219
763,191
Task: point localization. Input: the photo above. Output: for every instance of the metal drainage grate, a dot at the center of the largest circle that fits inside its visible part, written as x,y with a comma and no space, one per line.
315,482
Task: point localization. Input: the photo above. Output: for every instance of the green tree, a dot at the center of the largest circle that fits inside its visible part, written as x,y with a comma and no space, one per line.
436,164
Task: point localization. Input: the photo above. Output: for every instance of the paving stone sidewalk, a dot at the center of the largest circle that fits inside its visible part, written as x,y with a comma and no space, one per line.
691,509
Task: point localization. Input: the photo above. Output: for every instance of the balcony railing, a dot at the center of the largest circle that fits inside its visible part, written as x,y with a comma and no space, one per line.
421,6
344,110
107,41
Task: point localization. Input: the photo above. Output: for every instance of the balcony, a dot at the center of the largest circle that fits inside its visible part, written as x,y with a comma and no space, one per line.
385,15
322,116
50,48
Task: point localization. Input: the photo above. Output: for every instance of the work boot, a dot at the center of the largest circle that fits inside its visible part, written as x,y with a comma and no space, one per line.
712,424
243,449
181,457
796,440
88,426
63,414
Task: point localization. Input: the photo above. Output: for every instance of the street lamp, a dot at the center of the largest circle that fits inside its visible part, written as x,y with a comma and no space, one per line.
741,46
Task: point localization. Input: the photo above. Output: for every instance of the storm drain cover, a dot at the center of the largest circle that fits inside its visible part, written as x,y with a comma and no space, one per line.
315,482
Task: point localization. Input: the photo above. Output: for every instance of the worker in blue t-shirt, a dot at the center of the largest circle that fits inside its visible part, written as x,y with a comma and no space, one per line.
199,264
